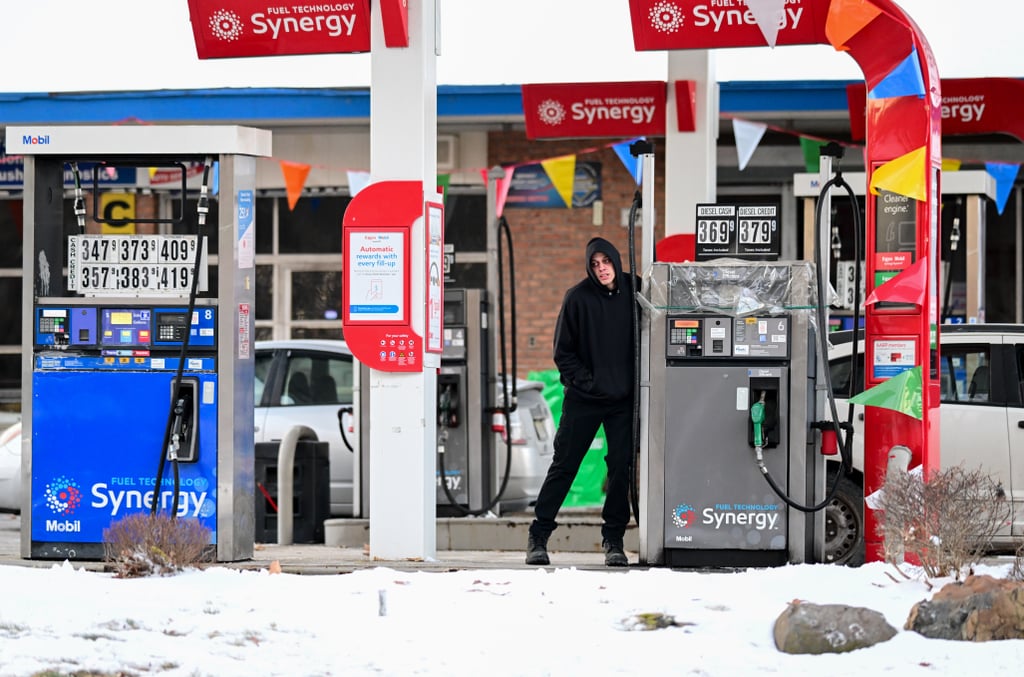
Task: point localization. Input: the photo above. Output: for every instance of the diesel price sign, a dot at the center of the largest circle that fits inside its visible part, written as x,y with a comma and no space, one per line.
134,265
738,231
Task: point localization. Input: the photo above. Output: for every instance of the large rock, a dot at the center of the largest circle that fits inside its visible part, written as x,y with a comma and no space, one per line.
805,628
979,609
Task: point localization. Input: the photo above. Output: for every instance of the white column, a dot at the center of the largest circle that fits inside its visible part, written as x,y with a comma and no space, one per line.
691,158
403,443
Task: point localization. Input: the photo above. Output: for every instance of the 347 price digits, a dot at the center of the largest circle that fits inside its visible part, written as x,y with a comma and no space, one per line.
712,232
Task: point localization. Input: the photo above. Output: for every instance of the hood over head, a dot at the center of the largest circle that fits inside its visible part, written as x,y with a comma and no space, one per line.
599,244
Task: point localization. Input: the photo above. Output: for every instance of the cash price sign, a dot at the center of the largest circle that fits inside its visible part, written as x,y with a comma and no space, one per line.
101,265
749,232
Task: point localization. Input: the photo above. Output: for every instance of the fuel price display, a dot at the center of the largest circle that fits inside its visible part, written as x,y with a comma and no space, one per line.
139,265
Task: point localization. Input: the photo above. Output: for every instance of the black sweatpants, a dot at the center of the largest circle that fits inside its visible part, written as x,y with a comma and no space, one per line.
576,430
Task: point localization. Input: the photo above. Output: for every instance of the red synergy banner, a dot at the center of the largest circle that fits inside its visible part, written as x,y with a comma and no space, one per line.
709,24
240,28
969,106
593,110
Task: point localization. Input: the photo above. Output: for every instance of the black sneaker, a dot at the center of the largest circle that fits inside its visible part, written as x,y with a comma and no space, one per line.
537,550
614,555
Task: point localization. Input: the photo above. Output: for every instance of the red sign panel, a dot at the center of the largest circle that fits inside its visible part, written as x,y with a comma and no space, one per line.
708,24
612,109
969,106
239,28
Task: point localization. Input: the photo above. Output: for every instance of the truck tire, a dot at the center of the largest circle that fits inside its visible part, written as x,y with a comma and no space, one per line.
844,523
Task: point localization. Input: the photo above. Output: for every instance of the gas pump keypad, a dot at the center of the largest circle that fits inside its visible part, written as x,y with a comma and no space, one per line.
719,336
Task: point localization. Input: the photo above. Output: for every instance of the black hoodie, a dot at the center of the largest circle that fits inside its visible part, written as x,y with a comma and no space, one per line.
594,333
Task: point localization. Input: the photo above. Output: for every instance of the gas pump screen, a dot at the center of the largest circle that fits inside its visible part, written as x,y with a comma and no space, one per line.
126,327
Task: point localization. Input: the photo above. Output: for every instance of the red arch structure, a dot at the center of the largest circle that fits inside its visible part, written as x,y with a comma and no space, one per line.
902,159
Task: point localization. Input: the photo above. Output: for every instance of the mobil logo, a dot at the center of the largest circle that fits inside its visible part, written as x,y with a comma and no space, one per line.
35,140
62,495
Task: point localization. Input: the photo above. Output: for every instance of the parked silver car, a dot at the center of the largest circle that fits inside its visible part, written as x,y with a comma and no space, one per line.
532,429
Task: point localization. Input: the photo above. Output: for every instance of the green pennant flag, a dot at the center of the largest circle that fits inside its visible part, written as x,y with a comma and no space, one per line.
443,182
903,393
812,154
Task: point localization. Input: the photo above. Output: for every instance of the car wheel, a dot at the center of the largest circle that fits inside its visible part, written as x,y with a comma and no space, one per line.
844,523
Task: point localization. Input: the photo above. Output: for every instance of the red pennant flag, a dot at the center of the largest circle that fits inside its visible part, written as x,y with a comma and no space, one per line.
295,174
907,287
503,185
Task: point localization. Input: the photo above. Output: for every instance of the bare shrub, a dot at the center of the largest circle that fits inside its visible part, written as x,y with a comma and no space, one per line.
1017,571
144,545
946,522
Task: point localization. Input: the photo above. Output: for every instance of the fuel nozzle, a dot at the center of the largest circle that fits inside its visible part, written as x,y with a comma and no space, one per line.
757,418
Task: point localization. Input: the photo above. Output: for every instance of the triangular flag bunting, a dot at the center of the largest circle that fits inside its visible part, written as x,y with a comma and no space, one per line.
907,287
904,80
748,135
631,163
1004,174
562,173
295,174
769,15
846,18
903,175
357,181
443,181
950,164
812,154
502,185
903,393
215,179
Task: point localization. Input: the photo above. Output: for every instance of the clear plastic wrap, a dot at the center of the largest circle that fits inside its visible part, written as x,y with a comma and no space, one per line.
732,287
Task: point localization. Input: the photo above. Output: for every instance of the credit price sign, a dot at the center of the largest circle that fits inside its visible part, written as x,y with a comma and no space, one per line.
738,231
147,265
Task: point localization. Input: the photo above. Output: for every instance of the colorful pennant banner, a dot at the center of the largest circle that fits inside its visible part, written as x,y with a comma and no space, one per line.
903,393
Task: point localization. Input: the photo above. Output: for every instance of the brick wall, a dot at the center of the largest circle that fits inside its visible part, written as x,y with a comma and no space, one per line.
549,244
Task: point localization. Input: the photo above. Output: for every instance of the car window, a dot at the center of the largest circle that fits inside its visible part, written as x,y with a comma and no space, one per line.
965,374
263,362
839,370
317,378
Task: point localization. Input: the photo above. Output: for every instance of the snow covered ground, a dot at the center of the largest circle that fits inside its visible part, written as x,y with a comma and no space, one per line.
385,621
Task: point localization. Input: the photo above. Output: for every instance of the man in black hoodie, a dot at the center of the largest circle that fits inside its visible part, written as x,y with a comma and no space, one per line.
594,355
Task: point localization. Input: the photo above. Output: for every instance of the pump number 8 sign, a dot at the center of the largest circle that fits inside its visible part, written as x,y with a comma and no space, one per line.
152,265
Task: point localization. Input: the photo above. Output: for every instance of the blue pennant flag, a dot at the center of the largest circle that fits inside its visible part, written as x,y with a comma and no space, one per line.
1005,174
632,164
904,80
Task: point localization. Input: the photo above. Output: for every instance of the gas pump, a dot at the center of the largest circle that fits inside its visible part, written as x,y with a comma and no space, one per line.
138,350
465,441
732,370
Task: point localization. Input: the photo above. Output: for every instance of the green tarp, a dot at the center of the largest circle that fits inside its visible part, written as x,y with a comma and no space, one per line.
588,489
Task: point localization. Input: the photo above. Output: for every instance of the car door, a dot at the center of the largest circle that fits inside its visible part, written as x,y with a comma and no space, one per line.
973,416
1015,427
314,385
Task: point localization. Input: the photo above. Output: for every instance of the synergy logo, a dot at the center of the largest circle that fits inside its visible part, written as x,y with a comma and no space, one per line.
63,495
551,112
666,17
226,25
684,516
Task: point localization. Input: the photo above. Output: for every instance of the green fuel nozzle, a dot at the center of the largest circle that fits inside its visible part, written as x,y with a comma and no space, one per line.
757,418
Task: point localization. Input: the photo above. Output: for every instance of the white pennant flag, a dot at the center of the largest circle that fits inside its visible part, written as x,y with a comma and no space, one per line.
357,181
769,15
748,135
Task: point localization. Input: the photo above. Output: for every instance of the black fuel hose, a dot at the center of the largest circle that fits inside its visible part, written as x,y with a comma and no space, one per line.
202,209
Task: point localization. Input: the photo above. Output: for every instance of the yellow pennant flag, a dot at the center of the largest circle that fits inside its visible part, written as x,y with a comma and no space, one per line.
846,18
903,175
950,164
562,173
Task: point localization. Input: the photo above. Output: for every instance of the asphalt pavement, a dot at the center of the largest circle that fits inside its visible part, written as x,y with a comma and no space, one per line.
325,559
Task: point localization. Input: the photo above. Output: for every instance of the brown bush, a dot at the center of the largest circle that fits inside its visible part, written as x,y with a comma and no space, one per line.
144,545
946,522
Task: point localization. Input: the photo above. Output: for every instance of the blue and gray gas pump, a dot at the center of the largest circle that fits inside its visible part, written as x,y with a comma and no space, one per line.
138,364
